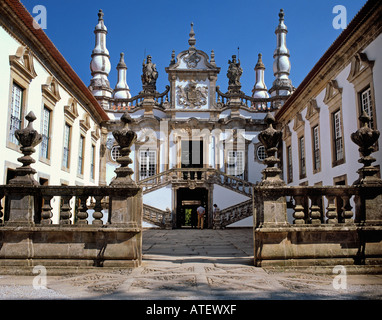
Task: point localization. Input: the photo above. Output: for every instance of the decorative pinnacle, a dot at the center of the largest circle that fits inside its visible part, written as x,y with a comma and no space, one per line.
30,117
100,15
121,63
259,64
192,40
281,14
269,119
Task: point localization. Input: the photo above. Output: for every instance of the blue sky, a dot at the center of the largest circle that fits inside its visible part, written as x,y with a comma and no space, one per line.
154,27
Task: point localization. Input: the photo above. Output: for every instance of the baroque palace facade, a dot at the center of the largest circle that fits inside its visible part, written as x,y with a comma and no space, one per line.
196,145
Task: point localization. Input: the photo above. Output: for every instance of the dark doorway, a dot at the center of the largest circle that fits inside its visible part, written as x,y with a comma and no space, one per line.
192,157
187,202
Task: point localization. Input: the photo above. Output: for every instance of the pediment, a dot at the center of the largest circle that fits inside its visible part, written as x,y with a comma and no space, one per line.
312,109
286,133
96,132
85,123
332,91
298,122
359,64
50,90
146,135
22,63
70,110
193,59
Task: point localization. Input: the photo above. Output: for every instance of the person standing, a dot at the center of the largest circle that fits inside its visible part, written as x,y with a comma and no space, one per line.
200,211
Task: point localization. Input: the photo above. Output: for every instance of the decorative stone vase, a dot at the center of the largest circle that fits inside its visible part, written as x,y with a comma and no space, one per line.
125,138
28,139
270,138
366,138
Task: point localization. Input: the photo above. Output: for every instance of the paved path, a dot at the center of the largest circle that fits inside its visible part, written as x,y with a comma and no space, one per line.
194,264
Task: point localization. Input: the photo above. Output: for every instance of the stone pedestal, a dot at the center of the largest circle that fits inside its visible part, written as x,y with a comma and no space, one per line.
126,212
21,210
22,206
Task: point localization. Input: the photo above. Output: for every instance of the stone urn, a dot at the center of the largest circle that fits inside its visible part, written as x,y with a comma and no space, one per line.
28,139
365,138
270,138
125,138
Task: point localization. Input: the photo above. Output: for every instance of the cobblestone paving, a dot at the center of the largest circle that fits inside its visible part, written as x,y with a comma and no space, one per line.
195,264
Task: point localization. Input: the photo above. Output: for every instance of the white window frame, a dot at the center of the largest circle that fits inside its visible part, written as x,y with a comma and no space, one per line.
235,163
16,111
147,163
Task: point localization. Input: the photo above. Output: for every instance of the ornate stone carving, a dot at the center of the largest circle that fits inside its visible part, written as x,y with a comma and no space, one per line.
192,59
366,138
149,75
125,139
192,96
28,138
270,138
234,73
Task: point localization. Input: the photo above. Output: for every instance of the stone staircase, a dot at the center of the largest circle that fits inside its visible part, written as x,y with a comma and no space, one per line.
197,176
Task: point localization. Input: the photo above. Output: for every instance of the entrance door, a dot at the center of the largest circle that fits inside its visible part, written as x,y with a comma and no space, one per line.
187,202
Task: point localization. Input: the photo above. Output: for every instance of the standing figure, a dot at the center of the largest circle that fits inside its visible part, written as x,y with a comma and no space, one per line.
150,73
201,211
234,72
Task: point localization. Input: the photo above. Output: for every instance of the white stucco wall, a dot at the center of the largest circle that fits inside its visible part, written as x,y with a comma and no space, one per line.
34,102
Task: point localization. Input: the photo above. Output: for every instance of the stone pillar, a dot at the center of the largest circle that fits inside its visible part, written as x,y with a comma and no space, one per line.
126,211
271,205
369,202
22,205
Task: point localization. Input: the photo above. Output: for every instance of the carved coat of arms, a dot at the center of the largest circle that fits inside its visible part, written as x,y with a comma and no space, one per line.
192,60
192,96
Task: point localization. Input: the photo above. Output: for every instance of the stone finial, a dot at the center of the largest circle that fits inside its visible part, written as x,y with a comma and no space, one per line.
212,60
259,64
100,15
28,139
192,40
125,138
365,138
271,138
281,14
172,58
121,63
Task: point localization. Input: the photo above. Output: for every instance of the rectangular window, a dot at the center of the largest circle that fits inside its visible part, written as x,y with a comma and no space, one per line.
66,154
81,153
92,166
337,134
235,164
16,112
46,116
289,164
147,164
316,149
366,105
302,158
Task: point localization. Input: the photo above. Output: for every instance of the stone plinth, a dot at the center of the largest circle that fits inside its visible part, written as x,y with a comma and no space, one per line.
71,246
318,246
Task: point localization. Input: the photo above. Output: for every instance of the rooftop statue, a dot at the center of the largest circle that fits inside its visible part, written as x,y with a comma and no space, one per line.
234,72
150,73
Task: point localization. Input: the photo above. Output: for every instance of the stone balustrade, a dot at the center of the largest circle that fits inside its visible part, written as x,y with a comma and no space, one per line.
64,226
